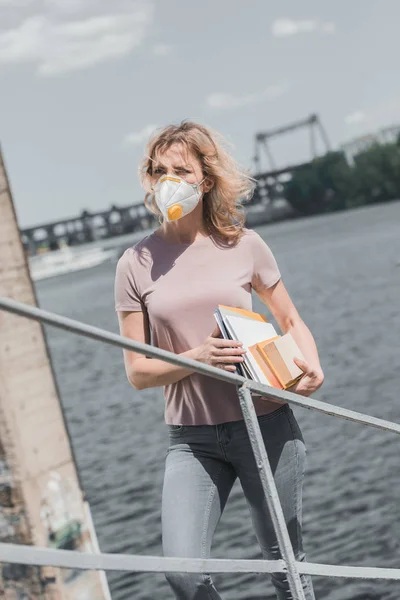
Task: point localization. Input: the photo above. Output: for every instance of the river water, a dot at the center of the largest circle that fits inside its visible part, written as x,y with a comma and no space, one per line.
343,273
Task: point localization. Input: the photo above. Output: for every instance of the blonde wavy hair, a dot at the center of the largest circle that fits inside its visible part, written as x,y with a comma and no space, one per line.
223,210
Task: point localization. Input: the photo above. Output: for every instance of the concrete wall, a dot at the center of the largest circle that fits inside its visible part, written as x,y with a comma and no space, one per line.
32,433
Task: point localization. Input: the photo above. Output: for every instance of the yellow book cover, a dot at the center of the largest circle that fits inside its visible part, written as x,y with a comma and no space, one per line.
279,354
241,312
264,365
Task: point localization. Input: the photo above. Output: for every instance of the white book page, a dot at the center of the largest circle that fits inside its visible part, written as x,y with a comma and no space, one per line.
246,364
227,336
249,333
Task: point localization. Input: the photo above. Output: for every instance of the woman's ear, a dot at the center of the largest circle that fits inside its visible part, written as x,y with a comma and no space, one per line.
208,185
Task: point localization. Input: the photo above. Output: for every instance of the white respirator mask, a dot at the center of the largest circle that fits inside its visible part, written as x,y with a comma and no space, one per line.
175,197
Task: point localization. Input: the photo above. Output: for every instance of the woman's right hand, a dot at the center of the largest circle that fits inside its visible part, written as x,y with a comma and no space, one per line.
218,352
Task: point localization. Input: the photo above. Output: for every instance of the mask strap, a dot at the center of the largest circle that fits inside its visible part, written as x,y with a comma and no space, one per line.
200,182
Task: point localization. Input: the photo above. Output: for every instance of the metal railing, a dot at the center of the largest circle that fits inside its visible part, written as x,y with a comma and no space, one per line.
11,553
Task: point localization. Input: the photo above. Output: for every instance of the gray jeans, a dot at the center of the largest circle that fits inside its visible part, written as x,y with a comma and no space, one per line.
202,464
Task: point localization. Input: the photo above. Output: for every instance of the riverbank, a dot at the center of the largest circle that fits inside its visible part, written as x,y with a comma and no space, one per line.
341,271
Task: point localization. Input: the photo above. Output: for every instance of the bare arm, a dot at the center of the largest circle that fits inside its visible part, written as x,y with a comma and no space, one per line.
145,372
277,299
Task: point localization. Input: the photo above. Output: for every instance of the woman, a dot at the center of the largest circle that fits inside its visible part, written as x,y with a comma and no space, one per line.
169,284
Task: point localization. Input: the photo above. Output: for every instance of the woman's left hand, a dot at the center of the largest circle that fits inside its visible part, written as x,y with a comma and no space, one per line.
310,382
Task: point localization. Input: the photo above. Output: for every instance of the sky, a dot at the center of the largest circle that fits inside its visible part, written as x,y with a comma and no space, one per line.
84,82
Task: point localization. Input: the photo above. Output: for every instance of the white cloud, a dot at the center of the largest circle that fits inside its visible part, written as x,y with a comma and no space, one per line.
355,118
328,27
387,112
139,137
15,3
162,49
69,6
384,114
60,5
289,27
223,100
57,46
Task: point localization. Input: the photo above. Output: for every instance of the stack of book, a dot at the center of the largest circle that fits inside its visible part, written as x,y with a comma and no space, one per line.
269,356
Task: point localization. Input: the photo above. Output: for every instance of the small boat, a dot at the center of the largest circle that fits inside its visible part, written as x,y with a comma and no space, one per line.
66,260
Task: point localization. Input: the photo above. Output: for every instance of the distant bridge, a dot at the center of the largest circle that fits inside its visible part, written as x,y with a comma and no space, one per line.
118,220
88,227
91,226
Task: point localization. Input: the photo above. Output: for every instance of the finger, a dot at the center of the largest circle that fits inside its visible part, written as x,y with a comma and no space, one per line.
230,368
229,351
298,388
229,359
216,333
221,343
305,367
301,364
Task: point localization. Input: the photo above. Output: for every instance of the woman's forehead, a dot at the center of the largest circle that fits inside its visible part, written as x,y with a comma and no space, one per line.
176,154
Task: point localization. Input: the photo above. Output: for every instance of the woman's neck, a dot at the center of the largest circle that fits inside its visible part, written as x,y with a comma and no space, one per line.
185,230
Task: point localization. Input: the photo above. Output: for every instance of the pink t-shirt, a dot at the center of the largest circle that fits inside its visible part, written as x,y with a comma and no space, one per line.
180,285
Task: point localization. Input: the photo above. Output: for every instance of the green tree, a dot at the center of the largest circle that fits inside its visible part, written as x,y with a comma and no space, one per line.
376,174
321,186
329,183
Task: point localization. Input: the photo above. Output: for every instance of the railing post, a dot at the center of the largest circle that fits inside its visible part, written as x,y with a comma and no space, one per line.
270,492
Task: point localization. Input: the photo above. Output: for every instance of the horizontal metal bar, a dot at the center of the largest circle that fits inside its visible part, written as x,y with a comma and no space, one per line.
101,335
348,571
32,555
95,333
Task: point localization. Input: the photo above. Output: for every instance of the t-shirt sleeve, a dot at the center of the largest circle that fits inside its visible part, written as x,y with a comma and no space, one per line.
265,268
127,296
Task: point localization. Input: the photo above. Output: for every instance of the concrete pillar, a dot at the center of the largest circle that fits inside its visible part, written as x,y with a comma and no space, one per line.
33,436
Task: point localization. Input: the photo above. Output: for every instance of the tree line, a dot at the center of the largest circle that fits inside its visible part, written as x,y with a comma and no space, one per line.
330,183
